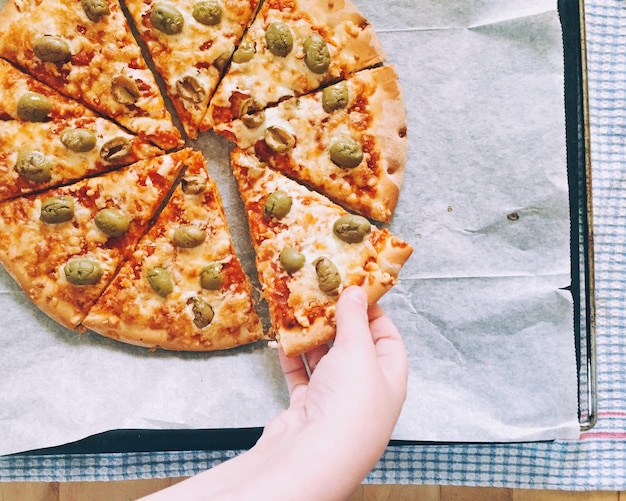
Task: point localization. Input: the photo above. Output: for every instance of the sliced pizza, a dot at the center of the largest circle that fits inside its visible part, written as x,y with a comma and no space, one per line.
293,47
348,140
183,288
64,245
191,44
308,250
86,51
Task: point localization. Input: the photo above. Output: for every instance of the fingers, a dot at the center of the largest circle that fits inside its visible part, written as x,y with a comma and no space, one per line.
295,371
352,321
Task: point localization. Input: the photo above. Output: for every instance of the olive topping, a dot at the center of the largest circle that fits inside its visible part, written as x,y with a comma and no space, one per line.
328,278
316,55
346,153
279,39
279,139
252,113
212,276
112,222
115,150
56,210
78,140
202,312
33,166
95,9
221,61
188,236
208,12
51,49
291,259
193,184
190,88
351,228
83,272
335,97
124,90
277,204
244,52
160,281
33,107
167,18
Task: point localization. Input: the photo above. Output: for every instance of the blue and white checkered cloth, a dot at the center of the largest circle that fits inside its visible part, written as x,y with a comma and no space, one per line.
595,462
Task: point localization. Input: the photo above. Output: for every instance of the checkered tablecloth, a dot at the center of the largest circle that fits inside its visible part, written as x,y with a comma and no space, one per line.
598,459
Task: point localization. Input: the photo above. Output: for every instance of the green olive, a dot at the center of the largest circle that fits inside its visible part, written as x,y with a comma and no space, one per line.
212,276
202,312
160,281
207,12
352,228
291,259
192,184
335,97
95,9
277,204
346,153
221,61
252,113
83,272
279,39
244,52
33,107
115,150
167,18
124,90
112,222
188,236
78,140
279,139
316,55
51,49
56,210
33,166
328,278
190,89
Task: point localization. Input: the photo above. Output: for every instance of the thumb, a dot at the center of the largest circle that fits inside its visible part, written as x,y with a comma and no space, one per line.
352,319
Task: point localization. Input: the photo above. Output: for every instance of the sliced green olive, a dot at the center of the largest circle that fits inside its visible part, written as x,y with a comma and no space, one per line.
188,236
202,312
167,18
316,54
335,97
346,153
192,184
115,149
78,140
208,12
33,107
51,49
56,210
124,90
352,228
328,278
83,272
252,113
291,259
277,204
279,139
244,52
212,276
190,89
112,222
95,9
279,39
160,281
221,61
33,166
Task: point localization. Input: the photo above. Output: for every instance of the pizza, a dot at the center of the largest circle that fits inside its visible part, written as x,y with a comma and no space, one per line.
308,249
184,277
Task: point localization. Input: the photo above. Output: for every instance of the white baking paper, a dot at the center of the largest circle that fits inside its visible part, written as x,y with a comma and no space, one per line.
480,304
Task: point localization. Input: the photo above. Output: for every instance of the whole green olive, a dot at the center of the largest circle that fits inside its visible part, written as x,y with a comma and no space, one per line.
346,153
251,112
207,12
212,276
33,107
291,259
244,52
115,149
193,184
124,90
160,281
278,139
51,49
167,18
83,272
328,278
202,312
56,210
279,39
188,236
190,89
352,228
335,97
33,166
277,204
112,222
78,140
95,9
316,54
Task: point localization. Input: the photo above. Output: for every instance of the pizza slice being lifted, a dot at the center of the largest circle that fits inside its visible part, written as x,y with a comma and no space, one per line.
308,250
183,288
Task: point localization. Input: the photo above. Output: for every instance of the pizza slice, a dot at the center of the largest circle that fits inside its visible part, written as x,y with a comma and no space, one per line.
86,51
183,288
347,141
191,44
293,47
64,245
308,250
